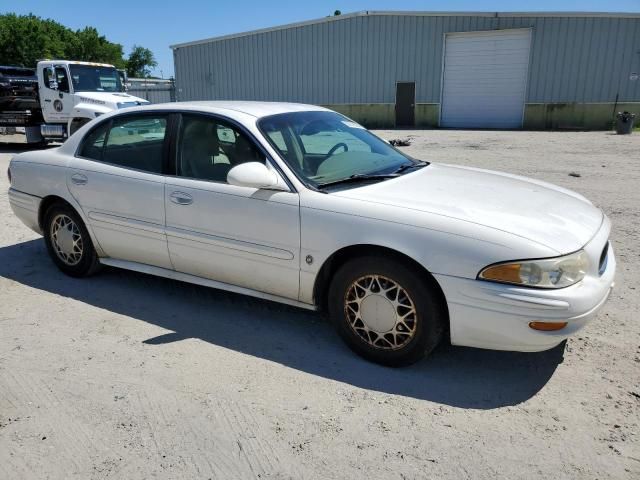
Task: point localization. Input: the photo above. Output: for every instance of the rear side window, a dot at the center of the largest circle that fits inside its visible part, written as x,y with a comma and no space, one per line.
136,142
131,142
93,143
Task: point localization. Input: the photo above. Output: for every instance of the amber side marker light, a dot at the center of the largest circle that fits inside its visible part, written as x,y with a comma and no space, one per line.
547,326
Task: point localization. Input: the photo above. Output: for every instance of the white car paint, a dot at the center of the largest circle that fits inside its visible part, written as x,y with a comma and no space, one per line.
453,221
128,225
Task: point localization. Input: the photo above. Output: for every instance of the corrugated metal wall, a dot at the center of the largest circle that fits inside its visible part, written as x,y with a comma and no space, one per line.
358,59
155,91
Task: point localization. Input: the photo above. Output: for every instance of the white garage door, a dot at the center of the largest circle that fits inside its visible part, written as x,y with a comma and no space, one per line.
485,79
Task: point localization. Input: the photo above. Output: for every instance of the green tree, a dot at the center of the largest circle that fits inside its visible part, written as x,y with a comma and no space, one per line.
90,46
25,39
140,63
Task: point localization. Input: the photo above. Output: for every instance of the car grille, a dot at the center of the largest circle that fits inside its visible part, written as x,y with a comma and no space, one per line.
602,266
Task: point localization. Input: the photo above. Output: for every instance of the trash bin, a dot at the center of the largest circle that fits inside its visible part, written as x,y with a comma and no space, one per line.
624,122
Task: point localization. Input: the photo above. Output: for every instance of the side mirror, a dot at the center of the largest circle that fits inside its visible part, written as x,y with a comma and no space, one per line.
255,175
124,79
51,75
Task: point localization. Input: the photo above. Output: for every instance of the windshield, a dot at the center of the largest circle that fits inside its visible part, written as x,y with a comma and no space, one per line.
89,78
326,147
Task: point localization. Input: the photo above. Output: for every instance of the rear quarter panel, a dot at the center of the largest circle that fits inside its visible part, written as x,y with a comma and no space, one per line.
42,174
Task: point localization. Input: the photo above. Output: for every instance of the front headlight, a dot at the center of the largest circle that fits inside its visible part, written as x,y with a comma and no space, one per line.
556,272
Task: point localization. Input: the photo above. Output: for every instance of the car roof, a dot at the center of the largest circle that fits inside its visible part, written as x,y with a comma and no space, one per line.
236,110
17,71
254,109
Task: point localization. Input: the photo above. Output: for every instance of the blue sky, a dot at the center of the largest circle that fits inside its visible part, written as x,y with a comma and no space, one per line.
158,24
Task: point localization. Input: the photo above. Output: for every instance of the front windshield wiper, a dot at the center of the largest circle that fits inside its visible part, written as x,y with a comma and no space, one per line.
358,177
406,166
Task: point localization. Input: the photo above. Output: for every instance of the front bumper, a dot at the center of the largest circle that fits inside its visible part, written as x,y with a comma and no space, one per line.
490,315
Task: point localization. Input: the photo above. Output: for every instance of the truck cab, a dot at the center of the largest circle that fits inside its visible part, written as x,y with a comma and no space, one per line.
73,93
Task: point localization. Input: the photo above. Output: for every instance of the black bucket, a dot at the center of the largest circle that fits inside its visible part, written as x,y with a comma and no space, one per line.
624,122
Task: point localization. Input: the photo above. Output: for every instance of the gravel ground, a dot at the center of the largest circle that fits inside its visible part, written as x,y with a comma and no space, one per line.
129,376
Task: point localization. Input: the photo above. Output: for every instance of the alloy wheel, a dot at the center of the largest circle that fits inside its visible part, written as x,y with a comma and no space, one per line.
66,239
381,312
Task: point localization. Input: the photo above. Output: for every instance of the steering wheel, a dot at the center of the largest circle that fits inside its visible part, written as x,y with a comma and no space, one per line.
336,147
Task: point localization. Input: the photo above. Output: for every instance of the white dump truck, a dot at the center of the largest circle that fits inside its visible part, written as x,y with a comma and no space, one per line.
60,96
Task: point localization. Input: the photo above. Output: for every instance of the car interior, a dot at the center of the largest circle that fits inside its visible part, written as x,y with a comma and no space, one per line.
208,150
137,144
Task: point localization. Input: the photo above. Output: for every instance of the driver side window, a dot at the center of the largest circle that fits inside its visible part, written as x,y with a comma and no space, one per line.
60,77
208,148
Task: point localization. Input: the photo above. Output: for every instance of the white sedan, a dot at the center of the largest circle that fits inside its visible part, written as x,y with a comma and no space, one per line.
301,205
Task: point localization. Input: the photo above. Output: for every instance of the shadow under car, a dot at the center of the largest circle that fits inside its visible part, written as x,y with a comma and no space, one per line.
300,339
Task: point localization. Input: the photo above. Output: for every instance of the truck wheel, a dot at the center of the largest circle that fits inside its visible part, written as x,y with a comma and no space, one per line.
386,311
77,124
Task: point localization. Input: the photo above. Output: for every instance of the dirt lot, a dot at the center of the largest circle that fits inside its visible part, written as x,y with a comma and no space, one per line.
129,376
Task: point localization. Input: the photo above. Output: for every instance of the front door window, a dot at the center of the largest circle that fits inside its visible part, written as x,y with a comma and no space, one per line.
208,148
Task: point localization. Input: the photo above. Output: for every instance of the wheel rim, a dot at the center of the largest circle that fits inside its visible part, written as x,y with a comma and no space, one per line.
66,239
380,312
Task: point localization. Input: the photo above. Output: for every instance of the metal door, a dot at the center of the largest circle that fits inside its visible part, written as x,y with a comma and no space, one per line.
485,79
405,104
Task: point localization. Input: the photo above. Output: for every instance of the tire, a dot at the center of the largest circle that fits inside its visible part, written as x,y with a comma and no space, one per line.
68,241
395,289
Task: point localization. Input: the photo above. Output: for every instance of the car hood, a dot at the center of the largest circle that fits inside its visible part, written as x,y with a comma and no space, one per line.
107,98
552,216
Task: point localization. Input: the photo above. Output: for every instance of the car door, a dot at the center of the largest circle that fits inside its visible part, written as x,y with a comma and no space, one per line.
57,102
237,235
118,179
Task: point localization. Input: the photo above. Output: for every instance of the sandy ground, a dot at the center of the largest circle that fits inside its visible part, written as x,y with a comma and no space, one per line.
129,376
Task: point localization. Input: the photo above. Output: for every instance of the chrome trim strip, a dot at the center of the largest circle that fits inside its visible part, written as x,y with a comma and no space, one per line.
126,222
229,243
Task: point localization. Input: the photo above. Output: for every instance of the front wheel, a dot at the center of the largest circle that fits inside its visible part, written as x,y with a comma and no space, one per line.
386,311
68,241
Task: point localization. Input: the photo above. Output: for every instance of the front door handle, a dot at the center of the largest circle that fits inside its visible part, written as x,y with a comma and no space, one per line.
79,179
181,198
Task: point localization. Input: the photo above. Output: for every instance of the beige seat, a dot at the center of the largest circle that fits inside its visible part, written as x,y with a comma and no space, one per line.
200,146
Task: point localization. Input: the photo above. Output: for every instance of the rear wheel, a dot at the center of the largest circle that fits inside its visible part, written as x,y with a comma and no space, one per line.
386,311
68,241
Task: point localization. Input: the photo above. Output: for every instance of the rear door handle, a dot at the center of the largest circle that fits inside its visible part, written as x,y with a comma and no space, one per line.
79,179
181,198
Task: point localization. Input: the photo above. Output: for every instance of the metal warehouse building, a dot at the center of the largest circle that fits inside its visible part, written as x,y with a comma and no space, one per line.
430,69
